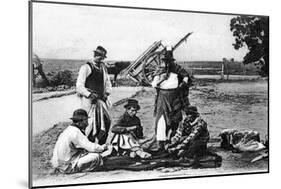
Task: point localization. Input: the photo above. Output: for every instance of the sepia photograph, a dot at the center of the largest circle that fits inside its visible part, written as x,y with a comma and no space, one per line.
126,94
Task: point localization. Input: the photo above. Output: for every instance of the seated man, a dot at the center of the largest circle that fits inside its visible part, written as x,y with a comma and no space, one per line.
127,132
190,140
73,151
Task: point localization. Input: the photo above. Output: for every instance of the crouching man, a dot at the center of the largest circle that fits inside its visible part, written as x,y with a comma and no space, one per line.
192,135
73,151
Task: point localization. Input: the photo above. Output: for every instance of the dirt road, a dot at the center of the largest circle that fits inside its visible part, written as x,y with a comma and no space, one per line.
50,111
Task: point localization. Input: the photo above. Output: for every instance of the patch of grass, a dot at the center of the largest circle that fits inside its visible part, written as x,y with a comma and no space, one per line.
42,149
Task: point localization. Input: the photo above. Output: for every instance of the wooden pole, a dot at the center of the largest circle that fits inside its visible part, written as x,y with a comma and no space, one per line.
222,68
227,70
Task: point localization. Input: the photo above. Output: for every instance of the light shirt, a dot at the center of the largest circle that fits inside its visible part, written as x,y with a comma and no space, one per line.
84,72
68,143
170,83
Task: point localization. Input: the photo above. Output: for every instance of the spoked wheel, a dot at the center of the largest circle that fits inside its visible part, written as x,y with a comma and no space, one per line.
152,62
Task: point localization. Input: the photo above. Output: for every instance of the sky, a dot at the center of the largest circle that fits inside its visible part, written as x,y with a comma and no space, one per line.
73,32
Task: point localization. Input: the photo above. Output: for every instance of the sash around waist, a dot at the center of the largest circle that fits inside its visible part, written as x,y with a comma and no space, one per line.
167,90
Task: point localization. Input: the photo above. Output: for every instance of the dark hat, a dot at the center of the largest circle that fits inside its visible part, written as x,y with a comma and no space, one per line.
190,110
132,103
100,51
79,114
168,55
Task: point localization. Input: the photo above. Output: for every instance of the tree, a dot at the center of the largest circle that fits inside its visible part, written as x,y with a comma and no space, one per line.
253,31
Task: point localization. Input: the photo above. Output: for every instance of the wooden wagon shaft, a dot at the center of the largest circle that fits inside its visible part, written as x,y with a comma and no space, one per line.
180,41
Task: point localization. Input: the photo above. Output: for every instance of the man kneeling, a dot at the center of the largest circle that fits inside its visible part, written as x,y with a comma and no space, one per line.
73,151
190,140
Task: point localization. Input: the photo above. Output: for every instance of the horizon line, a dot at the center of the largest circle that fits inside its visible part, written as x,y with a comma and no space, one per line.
134,60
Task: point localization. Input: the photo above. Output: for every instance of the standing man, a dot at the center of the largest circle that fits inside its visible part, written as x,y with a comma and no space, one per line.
93,85
73,152
172,86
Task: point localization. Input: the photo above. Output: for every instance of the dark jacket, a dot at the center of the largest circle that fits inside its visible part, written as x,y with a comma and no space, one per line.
94,81
127,121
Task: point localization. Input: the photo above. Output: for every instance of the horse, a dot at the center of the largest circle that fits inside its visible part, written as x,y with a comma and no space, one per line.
116,68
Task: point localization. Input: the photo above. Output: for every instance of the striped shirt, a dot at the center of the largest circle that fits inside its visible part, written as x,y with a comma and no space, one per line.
186,133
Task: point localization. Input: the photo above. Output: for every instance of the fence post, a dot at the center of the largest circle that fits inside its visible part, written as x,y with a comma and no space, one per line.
227,70
222,68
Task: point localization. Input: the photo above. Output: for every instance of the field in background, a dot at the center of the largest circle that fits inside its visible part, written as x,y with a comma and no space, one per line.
196,67
214,68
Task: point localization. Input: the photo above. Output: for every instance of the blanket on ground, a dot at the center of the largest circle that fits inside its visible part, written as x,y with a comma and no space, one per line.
210,160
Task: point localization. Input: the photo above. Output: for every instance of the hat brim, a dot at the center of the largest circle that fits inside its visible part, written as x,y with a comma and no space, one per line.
130,105
188,111
168,59
193,112
79,118
98,52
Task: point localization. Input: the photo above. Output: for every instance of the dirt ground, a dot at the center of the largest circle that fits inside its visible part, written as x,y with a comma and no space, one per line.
233,104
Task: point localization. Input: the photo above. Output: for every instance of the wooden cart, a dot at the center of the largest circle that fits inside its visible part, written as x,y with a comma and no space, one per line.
143,68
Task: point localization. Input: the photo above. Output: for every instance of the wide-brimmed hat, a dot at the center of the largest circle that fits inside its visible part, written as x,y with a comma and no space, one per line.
79,114
168,55
191,110
132,103
100,51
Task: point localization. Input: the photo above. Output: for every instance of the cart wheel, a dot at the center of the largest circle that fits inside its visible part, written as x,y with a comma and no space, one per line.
151,64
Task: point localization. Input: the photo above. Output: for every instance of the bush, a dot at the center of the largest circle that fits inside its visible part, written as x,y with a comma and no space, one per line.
63,78
40,83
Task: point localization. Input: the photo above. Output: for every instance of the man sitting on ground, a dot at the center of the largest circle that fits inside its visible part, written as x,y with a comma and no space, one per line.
73,151
127,132
190,140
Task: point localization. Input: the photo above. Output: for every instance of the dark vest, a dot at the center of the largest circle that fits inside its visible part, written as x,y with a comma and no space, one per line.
94,81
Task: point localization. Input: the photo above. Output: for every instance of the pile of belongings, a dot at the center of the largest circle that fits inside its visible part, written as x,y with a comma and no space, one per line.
241,141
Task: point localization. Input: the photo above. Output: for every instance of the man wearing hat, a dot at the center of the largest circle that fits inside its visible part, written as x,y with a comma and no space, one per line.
191,137
73,151
93,86
172,87
127,132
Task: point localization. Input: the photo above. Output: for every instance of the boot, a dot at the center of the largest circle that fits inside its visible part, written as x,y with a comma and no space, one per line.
161,148
161,145
196,163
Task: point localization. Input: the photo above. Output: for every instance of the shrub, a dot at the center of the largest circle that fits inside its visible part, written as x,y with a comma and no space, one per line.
63,78
40,83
